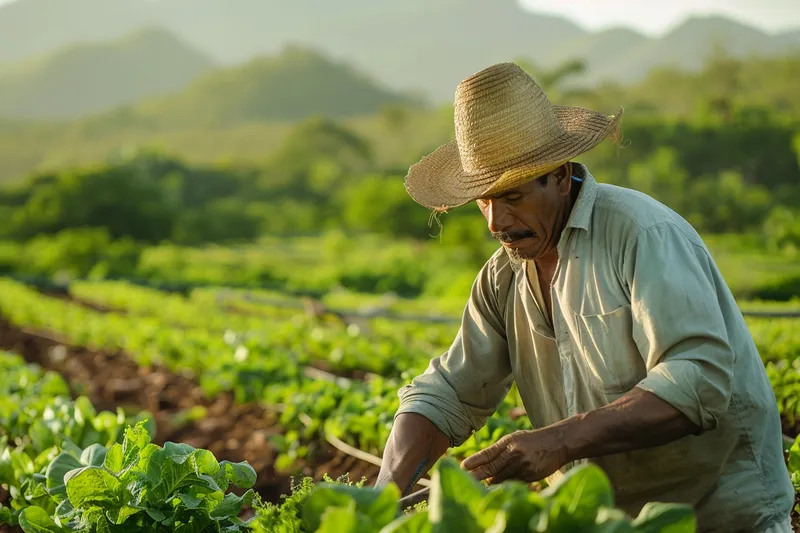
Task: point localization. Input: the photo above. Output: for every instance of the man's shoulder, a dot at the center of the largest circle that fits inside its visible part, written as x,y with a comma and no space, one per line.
498,275
634,212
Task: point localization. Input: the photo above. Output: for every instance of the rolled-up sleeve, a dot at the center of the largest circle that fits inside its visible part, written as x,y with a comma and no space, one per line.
678,324
463,387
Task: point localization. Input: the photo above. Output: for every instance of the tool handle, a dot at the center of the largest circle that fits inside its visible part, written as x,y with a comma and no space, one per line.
414,498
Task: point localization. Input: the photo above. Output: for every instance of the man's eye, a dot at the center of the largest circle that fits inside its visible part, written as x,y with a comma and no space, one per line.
513,197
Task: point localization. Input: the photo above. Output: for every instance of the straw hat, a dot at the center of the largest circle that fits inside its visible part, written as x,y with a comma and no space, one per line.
507,133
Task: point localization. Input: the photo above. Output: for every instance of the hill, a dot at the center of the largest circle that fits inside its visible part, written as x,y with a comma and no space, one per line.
422,45
89,78
30,28
292,85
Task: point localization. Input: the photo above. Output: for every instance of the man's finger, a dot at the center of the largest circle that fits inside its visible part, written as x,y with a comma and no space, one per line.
491,468
508,472
484,456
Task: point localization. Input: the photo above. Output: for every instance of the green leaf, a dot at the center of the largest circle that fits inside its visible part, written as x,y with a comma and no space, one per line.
794,456
92,486
189,501
7,476
210,483
41,436
666,518
576,498
341,520
384,508
114,460
231,505
454,498
8,517
204,462
94,455
171,468
56,471
318,501
410,523
119,516
613,521
136,439
36,520
515,502
240,474
177,452
377,506
84,411
64,512
155,514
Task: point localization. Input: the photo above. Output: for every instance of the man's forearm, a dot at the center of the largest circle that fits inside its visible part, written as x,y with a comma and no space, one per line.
638,420
413,447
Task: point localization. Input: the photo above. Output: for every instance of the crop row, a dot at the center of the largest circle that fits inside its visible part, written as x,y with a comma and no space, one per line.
376,346
390,346
357,412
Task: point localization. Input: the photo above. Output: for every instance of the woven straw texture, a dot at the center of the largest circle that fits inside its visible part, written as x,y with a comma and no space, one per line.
507,133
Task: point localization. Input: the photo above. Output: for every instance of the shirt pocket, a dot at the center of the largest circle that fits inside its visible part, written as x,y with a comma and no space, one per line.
609,358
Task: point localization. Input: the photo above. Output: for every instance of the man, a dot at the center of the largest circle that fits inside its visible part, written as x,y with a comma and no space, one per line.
606,309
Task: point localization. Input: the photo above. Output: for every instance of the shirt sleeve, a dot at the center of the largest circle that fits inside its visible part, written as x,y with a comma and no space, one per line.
463,387
678,323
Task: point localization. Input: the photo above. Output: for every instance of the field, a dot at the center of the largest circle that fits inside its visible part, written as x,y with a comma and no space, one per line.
207,309
262,388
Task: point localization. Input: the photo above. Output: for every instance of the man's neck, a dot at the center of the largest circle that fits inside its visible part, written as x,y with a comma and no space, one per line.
548,262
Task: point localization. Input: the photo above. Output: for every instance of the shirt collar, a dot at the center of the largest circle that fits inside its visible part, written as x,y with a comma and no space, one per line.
582,210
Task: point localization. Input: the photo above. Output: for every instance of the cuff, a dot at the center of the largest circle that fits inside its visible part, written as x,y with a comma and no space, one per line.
676,382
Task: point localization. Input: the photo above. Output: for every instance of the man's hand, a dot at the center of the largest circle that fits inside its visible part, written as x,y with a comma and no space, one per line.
524,456
640,419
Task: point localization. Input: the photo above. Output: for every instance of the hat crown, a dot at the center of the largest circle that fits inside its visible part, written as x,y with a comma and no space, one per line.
501,115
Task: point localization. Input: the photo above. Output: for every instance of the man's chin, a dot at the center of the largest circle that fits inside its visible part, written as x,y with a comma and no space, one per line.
518,256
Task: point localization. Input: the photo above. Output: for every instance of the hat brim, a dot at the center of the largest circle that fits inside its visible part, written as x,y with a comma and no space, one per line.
438,181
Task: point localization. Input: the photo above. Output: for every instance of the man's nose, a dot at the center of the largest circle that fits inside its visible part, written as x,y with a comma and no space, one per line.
498,217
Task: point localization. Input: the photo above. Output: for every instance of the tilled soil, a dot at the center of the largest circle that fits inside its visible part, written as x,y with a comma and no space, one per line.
236,432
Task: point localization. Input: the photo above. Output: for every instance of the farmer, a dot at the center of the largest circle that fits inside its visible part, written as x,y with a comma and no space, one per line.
607,311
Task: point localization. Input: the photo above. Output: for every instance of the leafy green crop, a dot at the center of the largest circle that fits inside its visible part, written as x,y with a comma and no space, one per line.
581,501
793,463
38,418
139,486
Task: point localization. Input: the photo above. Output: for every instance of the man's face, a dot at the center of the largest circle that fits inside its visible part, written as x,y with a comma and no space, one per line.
528,219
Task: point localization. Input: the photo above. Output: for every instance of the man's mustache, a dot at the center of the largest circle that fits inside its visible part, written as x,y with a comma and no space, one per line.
511,236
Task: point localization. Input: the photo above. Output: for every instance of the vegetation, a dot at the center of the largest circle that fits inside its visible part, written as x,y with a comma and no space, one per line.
230,252
581,500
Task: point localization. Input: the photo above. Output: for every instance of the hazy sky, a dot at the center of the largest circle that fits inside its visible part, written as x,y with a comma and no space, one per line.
657,16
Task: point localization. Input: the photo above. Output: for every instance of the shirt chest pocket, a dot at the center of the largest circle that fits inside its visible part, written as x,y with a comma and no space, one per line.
608,357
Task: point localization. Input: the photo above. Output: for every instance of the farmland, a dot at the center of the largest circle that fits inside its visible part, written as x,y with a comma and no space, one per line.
259,393
209,299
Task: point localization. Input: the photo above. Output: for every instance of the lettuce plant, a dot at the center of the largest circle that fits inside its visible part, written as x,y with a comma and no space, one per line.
139,486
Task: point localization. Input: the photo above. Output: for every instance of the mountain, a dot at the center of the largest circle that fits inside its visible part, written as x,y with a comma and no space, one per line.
89,78
689,45
434,49
31,28
292,85
423,45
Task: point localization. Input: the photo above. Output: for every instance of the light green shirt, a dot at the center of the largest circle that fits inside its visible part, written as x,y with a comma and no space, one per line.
637,302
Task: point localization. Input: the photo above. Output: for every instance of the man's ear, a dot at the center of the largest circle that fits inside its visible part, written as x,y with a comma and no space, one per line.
563,178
